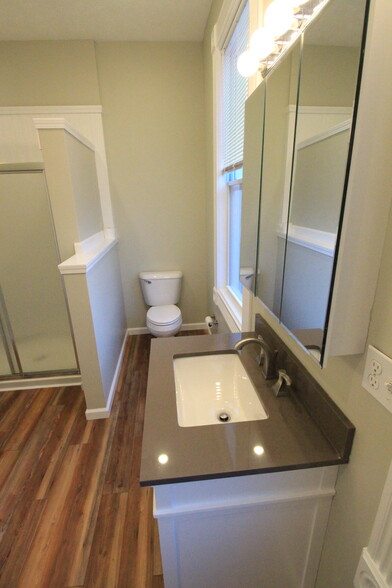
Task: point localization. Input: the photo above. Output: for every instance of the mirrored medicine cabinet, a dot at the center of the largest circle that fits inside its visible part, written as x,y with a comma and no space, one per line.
299,133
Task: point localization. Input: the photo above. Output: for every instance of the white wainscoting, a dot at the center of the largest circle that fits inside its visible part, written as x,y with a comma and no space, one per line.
375,566
93,286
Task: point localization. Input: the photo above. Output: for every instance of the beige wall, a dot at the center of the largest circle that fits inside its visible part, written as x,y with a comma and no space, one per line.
153,116
54,152
73,188
38,73
83,173
152,97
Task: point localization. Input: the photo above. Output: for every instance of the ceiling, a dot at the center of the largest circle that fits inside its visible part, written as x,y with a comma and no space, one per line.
103,20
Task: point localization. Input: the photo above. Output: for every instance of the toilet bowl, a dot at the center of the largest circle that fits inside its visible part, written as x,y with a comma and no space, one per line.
161,291
164,321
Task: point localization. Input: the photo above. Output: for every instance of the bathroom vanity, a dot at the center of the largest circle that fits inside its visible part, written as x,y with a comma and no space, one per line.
241,503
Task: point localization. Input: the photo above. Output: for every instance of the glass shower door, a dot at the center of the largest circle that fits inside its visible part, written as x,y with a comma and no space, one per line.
32,287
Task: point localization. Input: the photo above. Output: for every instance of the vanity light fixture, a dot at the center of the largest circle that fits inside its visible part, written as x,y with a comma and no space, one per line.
284,20
279,17
262,43
248,63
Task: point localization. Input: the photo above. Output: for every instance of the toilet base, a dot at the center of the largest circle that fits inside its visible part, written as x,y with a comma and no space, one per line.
164,331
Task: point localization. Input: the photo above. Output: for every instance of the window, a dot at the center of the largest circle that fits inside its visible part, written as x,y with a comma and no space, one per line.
231,91
235,92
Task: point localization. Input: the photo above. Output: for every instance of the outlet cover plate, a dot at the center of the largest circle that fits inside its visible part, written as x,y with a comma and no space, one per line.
377,376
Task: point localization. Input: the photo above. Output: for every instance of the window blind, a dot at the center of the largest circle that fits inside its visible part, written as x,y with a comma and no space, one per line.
235,92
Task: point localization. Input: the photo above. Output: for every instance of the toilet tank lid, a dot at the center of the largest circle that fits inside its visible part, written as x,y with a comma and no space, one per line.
162,275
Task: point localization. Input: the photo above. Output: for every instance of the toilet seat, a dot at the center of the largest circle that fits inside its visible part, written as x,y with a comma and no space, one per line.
164,315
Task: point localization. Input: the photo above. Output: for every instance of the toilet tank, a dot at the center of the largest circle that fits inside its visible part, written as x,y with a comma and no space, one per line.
161,288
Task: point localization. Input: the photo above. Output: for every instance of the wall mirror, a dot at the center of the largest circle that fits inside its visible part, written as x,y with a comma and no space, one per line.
308,114
253,150
281,88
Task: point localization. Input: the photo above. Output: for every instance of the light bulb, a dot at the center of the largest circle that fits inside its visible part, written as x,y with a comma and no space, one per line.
262,43
279,17
247,63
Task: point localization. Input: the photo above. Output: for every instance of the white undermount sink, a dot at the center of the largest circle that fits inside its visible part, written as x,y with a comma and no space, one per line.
214,389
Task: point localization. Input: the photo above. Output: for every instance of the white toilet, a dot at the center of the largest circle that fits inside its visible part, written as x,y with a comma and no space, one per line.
161,291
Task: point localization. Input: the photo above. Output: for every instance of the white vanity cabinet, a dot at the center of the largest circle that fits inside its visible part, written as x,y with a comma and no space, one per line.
263,530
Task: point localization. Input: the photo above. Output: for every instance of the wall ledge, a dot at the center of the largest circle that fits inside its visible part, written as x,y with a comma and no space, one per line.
88,253
51,123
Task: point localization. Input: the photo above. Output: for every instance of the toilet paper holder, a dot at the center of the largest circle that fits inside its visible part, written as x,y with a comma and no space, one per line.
211,322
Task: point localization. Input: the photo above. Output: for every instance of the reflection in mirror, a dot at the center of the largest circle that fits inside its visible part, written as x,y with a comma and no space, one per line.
330,60
281,91
253,150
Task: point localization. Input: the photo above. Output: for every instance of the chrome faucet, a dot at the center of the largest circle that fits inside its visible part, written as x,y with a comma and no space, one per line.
266,359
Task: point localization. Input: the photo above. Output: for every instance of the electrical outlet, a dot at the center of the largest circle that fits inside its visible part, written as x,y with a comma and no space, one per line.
373,381
376,367
377,376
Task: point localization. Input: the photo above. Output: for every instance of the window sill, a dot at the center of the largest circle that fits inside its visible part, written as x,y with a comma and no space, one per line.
230,307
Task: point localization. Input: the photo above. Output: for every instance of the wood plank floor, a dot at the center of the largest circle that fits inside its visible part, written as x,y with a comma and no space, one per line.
72,513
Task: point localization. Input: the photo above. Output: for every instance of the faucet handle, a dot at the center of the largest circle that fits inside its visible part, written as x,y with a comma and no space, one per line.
280,388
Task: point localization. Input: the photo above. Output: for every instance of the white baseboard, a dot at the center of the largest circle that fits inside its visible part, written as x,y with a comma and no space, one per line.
193,327
104,412
185,327
44,382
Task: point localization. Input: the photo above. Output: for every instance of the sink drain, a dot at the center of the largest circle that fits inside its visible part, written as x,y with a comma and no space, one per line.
224,417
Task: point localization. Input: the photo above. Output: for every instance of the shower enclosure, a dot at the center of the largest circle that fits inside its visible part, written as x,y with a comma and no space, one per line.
35,331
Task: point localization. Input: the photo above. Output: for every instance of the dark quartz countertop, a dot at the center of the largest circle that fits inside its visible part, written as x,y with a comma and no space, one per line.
290,437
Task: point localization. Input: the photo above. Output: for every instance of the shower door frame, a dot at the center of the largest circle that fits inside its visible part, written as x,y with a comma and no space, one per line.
6,332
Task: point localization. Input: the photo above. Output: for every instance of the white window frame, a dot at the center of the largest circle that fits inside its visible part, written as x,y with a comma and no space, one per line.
227,302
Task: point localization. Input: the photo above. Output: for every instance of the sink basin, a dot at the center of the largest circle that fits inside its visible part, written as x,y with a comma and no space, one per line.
214,389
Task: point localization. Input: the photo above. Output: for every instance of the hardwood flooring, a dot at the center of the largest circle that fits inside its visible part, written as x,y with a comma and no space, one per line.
72,513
